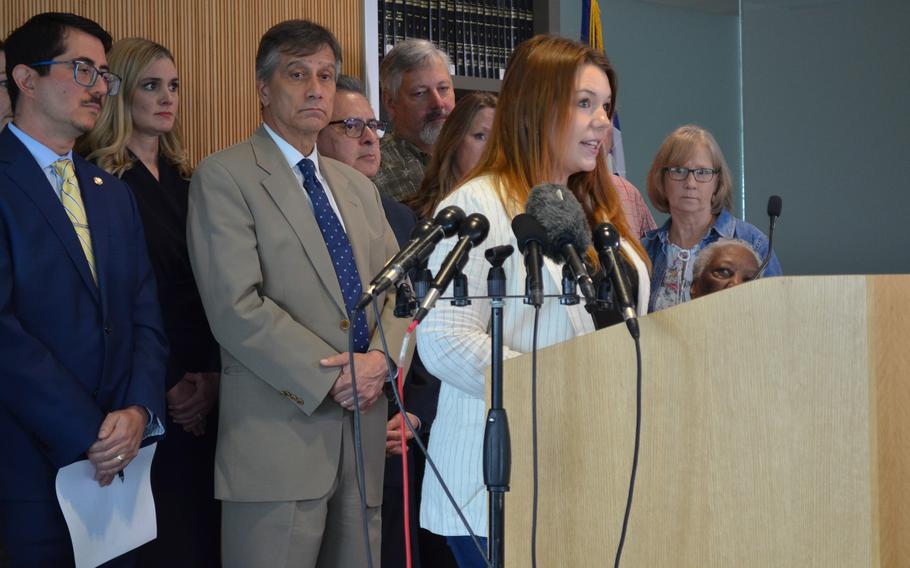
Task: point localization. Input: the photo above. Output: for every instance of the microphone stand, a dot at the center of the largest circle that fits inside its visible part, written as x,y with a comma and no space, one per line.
497,446
767,259
775,204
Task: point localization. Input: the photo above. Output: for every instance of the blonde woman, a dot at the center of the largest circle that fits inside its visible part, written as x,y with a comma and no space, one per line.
137,139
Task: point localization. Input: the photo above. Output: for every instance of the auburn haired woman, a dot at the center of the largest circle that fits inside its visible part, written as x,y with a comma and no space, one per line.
460,144
551,121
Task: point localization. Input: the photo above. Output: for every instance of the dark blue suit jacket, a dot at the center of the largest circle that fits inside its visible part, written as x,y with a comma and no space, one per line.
70,351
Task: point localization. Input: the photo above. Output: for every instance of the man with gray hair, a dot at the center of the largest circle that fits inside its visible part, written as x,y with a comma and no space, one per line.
283,241
418,95
723,264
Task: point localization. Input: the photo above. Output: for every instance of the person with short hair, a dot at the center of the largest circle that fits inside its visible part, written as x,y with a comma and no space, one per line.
689,179
6,111
353,133
418,95
458,149
283,241
82,347
137,138
723,264
352,137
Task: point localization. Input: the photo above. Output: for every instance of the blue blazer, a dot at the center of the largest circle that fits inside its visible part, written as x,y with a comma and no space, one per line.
70,351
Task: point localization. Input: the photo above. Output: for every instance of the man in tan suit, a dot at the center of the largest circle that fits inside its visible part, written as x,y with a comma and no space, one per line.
282,242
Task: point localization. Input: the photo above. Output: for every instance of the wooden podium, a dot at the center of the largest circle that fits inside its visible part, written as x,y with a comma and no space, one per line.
775,432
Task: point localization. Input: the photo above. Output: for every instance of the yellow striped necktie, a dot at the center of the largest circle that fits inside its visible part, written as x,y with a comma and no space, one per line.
71,198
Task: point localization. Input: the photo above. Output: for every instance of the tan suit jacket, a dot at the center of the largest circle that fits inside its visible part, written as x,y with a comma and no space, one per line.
275,306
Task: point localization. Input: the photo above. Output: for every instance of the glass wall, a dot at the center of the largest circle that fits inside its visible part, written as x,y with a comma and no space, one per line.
804,97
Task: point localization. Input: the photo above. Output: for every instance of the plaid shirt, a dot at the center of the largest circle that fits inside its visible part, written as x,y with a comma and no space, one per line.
401,169
637,214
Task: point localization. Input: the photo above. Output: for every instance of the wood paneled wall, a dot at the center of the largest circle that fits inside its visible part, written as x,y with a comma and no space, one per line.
214,42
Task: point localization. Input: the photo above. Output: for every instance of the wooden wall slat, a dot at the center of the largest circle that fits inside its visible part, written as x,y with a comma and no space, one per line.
214,42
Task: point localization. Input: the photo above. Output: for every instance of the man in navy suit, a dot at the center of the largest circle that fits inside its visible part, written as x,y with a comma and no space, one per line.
82,350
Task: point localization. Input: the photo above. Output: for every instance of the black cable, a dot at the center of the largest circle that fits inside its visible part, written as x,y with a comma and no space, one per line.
419,442
358,445
534,436
625,520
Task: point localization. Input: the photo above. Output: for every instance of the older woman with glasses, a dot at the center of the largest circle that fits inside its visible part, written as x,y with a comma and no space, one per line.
137,138
690,180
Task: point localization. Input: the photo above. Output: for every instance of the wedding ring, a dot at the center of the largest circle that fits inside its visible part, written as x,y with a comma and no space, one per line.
119,458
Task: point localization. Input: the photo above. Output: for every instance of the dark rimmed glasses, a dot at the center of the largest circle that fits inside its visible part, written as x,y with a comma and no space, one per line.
702,175
86,74
353,127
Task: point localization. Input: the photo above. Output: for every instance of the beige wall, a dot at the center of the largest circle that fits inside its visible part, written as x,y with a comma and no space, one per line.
214,42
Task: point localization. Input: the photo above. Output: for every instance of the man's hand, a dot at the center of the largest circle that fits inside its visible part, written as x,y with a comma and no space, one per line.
393,433
371,374
118,442
191,400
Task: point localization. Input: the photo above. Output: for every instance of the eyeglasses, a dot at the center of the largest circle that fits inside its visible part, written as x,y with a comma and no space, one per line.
353,127
702,175
86,74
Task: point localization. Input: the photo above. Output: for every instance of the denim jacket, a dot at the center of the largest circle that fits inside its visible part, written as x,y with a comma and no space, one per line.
726,226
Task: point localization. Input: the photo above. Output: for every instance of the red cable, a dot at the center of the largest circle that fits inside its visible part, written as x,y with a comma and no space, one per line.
404,474
406,493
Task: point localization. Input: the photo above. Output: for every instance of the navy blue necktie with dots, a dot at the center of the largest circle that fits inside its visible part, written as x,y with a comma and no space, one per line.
336,240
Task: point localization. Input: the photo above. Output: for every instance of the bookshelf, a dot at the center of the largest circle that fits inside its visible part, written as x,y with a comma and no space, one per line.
478,35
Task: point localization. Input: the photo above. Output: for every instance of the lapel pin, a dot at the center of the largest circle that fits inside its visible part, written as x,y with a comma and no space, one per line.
98,180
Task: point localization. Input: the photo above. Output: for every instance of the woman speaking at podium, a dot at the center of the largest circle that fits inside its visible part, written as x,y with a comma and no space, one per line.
554,112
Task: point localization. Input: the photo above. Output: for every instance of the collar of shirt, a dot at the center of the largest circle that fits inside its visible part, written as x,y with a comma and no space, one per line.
406,146
293,157
724,226
43,155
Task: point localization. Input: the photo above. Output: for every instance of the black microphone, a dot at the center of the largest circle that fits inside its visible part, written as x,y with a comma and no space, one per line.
423,240
472,232
532,239
775,204
562,217
606,243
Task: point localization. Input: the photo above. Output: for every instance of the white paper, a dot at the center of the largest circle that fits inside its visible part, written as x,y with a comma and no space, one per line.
105,522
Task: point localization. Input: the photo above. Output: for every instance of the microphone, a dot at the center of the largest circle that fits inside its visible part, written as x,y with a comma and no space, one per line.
562,217
532,239
606,243
775,204
424,238
471,233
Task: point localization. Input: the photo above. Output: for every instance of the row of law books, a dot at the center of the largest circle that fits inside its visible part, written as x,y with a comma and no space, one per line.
478,35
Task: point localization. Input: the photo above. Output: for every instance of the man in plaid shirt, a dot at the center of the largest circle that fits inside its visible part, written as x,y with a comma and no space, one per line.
418,94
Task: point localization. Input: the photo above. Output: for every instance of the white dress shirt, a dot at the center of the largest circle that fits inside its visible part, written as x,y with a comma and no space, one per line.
44,156
293,156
